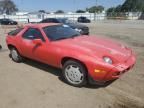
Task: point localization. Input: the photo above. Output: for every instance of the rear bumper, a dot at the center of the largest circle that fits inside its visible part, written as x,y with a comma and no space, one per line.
85,33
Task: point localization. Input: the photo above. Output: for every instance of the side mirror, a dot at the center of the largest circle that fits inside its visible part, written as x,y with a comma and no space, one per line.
37,41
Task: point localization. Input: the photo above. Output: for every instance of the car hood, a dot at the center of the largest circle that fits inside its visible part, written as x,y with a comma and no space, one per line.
98,47
76,25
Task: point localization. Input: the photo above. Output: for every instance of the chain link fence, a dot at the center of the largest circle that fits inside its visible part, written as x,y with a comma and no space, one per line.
74,16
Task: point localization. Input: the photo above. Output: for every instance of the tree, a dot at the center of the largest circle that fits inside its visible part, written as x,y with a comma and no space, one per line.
7,6
111,11
42,11
114,9
118,8
80,11
115,12
59,12
133,6
128,6
97,9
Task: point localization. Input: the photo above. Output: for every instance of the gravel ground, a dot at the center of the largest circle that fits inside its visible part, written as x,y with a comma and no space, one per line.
35,85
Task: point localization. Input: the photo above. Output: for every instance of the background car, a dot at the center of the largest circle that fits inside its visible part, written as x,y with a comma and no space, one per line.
83,29
83,20
80,57
6,21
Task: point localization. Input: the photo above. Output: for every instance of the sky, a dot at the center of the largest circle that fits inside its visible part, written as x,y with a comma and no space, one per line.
66,5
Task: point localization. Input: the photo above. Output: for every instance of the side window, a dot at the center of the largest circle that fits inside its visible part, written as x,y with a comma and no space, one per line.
46,21
33,33
49,20
15,32
55,21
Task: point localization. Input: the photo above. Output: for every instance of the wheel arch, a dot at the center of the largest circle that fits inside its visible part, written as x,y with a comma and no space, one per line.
65,59
10,46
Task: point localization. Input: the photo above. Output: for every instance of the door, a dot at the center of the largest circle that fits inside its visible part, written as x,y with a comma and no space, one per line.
43,52
27,45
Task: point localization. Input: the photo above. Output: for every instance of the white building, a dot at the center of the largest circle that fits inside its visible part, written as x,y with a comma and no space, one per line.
21,13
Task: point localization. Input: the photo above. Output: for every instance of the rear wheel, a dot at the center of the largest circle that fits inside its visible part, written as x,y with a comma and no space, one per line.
16,57
74,73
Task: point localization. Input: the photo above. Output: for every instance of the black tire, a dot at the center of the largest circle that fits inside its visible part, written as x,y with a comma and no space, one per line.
16,58
86,34
0,47
81,69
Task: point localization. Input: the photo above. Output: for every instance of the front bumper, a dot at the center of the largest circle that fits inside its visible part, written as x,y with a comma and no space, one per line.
120,69
114,73
85,31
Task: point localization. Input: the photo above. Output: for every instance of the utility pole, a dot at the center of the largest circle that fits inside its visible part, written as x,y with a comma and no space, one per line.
74,4
21,3
96,2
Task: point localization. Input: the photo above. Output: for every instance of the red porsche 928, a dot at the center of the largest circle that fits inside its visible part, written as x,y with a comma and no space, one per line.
80,56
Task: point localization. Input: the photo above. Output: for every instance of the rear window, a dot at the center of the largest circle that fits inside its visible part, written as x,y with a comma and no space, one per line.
15,32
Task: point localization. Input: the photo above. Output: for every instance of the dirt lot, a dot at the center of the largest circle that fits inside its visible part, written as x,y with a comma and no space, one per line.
35,85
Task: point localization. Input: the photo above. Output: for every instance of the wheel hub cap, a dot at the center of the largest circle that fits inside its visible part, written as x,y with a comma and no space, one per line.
14,54
73,74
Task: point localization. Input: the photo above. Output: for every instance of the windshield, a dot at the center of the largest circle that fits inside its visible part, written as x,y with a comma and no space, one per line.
58,32
8,19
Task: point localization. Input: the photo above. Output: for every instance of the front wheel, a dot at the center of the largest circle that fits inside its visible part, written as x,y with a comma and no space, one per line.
74,73
16,57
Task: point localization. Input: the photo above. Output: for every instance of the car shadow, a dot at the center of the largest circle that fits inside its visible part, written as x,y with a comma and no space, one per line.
43,67
58,72
97,85
3,50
